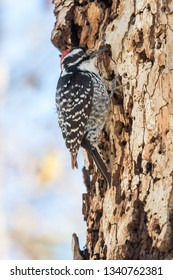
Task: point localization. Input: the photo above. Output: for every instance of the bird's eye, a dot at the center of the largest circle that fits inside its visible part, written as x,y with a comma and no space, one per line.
82,53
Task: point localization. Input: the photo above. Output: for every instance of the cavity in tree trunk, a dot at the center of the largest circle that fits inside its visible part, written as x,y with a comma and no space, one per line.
132,218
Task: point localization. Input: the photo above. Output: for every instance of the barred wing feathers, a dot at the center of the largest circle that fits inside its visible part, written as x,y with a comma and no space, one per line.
73,101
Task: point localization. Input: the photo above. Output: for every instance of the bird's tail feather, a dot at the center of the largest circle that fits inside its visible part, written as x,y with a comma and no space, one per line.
98,160
74,161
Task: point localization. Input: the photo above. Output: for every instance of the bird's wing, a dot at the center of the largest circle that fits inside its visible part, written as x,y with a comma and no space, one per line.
74,100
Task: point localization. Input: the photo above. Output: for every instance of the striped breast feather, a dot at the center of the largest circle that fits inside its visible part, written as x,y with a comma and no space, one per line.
74,100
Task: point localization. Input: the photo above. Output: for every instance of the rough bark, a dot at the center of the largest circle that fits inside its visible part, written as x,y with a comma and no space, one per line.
133,218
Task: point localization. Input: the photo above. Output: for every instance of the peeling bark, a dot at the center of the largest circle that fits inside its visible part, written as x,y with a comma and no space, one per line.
132,219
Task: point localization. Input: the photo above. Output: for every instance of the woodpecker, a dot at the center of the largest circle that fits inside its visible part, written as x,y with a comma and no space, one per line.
82,104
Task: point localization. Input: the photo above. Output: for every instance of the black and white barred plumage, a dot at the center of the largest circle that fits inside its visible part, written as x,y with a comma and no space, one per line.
82,104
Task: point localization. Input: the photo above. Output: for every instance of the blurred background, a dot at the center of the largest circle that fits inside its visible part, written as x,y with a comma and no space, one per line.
40,195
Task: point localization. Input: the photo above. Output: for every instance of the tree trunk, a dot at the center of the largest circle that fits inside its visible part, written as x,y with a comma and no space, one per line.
133,218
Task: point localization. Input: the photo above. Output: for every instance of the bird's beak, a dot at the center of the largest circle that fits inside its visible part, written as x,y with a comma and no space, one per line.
95,53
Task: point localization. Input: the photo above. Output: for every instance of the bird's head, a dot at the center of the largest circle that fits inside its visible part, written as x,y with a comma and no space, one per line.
73,57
